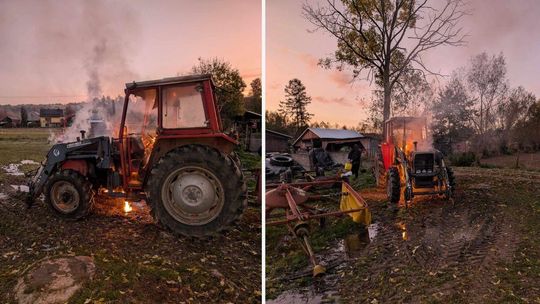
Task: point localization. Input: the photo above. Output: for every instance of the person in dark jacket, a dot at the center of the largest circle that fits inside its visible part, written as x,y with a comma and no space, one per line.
354,157
320,159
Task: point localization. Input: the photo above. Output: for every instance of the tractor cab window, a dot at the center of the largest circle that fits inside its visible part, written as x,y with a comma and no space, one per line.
141,116
183,107
141,126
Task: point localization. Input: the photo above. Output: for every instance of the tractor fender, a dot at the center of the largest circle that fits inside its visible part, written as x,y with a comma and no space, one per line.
164,145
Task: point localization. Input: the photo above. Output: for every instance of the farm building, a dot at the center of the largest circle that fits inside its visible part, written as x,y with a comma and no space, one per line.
331,139
9,122
249,128
33,120
277,142
371,142
51,118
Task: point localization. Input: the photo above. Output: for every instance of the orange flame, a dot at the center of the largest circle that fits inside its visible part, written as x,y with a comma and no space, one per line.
127,207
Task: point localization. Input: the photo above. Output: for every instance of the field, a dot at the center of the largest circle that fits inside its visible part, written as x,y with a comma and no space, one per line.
482,248
136,261
529,161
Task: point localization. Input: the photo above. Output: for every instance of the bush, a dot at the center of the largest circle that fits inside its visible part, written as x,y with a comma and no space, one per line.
465,159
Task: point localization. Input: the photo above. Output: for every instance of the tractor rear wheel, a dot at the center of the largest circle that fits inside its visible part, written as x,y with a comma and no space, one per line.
69,194
196,191
393,186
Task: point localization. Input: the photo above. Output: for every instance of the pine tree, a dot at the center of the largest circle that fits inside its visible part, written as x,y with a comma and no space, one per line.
295,104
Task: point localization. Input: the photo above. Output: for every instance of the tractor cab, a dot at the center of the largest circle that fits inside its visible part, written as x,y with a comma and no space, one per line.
408,165
158,111
407,133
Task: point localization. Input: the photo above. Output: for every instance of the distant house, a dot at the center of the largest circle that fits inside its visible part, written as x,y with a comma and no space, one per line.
331,139
9,122
50,118
33,120
277,142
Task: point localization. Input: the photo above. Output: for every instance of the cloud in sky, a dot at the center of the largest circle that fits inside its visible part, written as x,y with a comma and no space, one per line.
48,47
342,101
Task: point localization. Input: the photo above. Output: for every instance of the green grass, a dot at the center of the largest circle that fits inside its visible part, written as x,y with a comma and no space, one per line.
249,160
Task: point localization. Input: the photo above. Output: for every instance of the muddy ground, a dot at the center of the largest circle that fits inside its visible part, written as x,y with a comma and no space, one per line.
482,248
136,261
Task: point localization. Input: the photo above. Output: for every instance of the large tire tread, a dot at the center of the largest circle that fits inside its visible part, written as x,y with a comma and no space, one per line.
83,186
225,168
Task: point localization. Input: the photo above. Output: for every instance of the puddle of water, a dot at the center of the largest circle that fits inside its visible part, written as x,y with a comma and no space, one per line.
13,169
373,229
29,162
21,188
403,228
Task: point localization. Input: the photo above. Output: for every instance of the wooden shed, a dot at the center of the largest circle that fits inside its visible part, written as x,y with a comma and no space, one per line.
331,139
277,142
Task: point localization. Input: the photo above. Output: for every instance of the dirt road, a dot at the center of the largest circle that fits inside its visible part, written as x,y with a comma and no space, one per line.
483,248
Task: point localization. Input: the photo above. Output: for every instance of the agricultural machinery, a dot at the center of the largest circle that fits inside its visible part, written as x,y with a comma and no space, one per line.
407,164
297,204
170,151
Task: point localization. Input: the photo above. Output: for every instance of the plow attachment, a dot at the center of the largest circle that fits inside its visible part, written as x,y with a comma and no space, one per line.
293,209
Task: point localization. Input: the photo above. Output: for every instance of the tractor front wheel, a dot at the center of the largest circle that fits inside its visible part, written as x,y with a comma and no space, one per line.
69,194
196,191
393,186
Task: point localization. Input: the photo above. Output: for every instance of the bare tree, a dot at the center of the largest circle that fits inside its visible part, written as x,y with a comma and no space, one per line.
387,38
488,85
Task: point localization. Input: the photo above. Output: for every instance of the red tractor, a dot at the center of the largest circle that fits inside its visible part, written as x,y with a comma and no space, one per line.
408,165
170,151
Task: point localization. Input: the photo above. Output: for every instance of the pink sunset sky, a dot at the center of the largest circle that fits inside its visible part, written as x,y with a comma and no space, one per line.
495,26
47,47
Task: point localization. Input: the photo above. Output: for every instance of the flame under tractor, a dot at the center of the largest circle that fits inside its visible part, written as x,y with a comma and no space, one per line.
408,166
170,151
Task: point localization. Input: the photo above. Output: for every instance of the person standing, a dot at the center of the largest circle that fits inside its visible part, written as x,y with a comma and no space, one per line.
354,157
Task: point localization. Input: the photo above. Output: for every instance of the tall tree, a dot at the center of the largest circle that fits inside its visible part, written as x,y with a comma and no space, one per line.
295,104
24,117
452,113
488,85
229,86
254,100
386,38
412,97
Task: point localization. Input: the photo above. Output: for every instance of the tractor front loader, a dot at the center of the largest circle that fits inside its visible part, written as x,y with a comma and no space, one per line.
170,151
408,165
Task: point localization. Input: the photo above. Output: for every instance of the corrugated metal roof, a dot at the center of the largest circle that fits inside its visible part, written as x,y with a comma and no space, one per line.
335,133
331,134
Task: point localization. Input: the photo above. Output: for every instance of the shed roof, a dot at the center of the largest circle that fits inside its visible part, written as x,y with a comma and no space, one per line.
51,112
335,134
279,134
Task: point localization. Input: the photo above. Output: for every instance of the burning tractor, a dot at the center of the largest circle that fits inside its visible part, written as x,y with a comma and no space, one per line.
170,151
407,164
